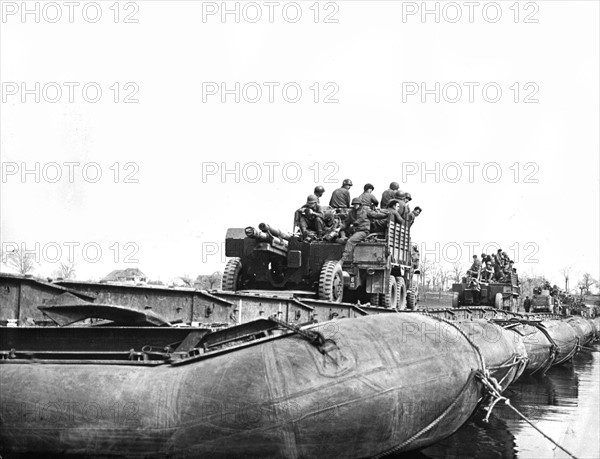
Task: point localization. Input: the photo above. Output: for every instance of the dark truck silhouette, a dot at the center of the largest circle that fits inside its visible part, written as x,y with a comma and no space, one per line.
380,271
475,291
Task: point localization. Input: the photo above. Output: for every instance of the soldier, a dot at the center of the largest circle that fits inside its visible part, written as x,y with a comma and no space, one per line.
473,271
527,304
381,218
310,219
415,256
488,271
318,191
357,225
388,195
412,215
340,198
367,198
331,226
402,209
407,199
476,287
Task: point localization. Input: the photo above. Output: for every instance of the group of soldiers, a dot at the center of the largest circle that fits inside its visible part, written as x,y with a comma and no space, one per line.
496,267
351,221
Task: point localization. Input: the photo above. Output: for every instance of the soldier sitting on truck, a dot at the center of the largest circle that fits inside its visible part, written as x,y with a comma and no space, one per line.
340,198
488,271
381,218
507,271
475,268
357,226
332,226
318,192
367,198
389,194
310,219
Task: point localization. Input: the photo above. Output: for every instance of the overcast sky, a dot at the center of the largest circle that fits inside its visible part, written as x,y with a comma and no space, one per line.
513,134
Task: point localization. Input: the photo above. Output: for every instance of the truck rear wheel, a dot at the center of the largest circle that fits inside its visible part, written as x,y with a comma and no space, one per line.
401,293
455,299
331,282
231,276
390,297
411,299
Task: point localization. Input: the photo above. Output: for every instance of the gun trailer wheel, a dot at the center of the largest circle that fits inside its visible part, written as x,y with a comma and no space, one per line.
231,275
331,282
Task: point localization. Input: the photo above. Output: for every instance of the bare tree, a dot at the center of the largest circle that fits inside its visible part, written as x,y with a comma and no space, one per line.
20,260
586,282
444,276
187,280
426,266
457,271
66,270
566,272
215,280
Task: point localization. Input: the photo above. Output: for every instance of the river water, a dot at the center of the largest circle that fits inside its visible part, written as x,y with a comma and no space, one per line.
564,404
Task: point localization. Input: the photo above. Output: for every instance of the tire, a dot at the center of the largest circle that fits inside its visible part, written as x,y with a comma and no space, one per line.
390,297
401,293
331,282
231,276
498,301
455,299
411,300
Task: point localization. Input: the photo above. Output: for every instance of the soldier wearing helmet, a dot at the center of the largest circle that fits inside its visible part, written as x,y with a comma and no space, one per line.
318,192
331,226
357,226
381,218
310,219
403,210
340,198
389,194
407,199
367,198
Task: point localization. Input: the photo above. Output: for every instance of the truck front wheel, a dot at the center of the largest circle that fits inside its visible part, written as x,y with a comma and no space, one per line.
331,282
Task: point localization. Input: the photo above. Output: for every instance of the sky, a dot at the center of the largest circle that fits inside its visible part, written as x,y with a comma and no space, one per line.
148,128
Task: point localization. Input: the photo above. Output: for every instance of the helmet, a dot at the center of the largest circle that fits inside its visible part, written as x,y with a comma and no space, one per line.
356,201
319,189
329,214
311,198
368,186
394,186
400,194
347,182
392,203
408,196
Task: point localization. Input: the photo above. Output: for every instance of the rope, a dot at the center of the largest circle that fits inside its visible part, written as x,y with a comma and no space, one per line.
314,337
432,424
497,397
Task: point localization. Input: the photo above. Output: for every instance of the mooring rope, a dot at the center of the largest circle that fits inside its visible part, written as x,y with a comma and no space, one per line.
498,397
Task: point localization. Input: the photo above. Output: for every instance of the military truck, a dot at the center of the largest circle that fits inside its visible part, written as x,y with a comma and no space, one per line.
380,271
542,301
472,291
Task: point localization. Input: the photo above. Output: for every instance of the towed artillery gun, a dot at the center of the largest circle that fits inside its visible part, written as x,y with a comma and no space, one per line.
473,291
380,271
